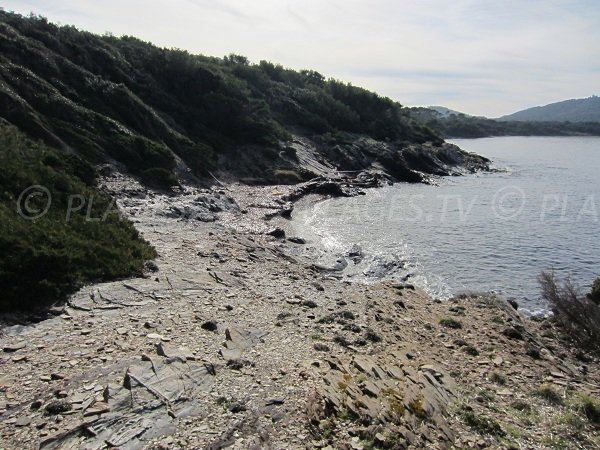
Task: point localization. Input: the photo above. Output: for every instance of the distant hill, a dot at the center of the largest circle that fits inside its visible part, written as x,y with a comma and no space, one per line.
459,125
574,110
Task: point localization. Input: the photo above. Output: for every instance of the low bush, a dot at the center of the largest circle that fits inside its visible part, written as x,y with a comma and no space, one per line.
449,322
577,315
548,393
589,406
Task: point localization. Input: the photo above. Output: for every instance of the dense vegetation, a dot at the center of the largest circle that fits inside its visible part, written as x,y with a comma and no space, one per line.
465,126
573,110
127,100
46,258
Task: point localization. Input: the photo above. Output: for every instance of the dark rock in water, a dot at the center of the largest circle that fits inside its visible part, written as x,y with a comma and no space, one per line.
276,233
355,254
297,240
340,264
287,210
382,268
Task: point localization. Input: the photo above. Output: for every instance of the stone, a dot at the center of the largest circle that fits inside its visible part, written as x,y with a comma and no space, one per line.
321,347
513,303
36,404
237,341
512,333
155,336
20,358
11,348
23,421
369,388
276,233
210,325
505,392
168,351
97,409
56,407
297,240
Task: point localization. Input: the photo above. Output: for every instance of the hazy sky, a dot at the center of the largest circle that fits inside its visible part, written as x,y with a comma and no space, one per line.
481,57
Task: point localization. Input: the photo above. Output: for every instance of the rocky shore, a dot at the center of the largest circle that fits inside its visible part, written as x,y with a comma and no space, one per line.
231,341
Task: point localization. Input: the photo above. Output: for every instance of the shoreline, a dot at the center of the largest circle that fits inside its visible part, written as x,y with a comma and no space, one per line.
283,355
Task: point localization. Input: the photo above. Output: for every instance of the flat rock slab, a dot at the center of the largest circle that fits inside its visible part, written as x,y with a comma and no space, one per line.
152,395
237,341
11,348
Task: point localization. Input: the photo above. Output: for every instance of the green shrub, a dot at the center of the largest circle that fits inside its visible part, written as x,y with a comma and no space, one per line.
497,378
589,406
80,239
548,393
449,322
481,424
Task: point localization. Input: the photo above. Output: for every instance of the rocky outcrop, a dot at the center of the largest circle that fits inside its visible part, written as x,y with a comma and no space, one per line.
357,159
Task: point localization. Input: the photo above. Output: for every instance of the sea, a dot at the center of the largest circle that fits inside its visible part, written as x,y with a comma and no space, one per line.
539,210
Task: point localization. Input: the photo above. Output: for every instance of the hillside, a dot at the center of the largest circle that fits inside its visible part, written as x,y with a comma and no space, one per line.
58,231
168,117
459,125
151,109
573,110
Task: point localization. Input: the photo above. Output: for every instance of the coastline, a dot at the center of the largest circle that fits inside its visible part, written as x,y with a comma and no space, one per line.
283,354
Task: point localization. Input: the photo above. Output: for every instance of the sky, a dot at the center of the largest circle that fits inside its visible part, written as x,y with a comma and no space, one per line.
481,57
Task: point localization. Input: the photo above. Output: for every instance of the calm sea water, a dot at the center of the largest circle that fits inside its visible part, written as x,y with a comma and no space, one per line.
483,232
